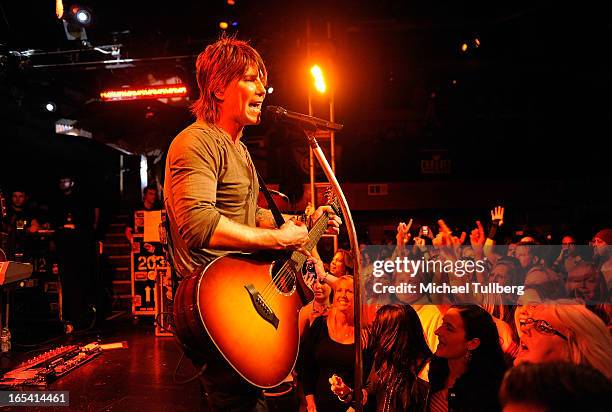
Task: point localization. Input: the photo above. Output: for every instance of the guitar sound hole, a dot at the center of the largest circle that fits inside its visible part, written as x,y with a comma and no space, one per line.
284,279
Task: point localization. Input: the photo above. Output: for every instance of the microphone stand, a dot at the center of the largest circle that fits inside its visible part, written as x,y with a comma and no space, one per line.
309,132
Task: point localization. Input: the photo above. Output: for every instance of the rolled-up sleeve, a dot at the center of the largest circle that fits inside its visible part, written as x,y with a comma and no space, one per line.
193,165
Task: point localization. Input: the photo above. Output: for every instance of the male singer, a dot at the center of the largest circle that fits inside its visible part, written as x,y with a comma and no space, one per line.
211,190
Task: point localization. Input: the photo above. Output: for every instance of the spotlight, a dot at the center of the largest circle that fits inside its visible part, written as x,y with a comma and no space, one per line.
83,16
75,21
51,107
270,90
464,47
59,8
319,79
223,25
234,24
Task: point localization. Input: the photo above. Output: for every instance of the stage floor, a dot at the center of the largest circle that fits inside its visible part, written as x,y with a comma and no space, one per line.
138,378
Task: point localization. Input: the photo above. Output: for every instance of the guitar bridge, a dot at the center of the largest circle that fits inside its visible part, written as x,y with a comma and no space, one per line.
261,306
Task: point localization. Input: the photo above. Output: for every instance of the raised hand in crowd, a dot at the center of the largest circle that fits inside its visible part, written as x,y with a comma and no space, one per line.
497,215
497,220
402,237
403,233
477,239
445,241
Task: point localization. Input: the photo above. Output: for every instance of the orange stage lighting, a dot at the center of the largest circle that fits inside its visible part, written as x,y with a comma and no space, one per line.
59,8
144,93
317,73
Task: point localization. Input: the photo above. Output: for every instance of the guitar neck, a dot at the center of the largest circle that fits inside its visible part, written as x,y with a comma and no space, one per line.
314,235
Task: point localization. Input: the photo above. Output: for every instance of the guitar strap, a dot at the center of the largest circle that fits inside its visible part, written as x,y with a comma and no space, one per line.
278,216
165,224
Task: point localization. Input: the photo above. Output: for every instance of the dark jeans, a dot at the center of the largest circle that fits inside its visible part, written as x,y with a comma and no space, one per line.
225,389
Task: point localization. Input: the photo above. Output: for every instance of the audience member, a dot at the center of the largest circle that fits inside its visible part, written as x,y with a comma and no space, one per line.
328,348
400,352
602,242
468,365
565,331
555,387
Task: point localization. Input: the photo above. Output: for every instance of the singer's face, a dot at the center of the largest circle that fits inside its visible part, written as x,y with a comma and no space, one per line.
242,99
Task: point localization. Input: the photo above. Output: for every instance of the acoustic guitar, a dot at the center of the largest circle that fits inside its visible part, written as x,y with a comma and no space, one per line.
247,306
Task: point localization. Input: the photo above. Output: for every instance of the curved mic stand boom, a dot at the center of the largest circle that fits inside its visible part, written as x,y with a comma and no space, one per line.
309,132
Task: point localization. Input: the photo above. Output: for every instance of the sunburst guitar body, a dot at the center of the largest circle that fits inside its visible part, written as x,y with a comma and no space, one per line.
247,307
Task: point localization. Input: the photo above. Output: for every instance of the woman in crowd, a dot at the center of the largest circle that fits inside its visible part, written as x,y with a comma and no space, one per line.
505,272
341,264
468,365
318,307
328,348
565,331
399,350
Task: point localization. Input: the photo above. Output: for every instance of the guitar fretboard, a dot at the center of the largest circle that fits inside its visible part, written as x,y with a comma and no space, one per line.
317,230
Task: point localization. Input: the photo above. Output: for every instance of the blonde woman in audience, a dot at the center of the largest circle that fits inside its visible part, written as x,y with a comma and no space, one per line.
565,331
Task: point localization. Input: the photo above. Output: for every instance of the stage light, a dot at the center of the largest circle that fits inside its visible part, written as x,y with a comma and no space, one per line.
59,8
477,42
231,2
75,19
223,25
83,16
270,90
317,74
464,47
80,15
234,24
176,90
51,107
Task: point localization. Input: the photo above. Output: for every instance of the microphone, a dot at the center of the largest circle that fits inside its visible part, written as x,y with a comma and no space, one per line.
303,120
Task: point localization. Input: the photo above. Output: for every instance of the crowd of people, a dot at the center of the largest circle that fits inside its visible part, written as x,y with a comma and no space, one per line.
547,349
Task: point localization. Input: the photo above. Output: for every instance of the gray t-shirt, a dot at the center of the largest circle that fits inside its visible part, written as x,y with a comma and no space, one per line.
207,176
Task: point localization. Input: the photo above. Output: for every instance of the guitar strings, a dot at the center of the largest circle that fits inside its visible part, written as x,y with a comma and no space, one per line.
269,293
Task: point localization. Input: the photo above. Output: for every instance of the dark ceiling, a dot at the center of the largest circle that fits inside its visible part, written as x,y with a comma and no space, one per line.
402,84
